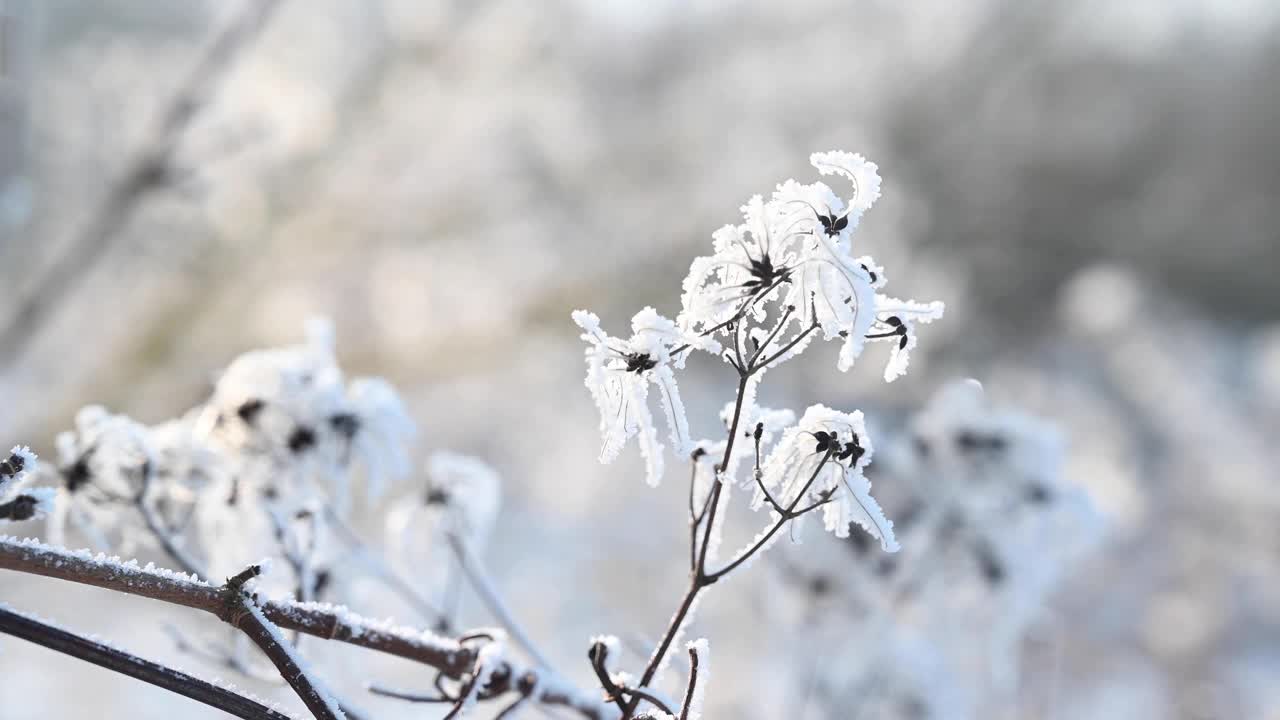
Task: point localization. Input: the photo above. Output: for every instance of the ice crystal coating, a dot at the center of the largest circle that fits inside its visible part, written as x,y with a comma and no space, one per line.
821,460
619,372
896,321
794,255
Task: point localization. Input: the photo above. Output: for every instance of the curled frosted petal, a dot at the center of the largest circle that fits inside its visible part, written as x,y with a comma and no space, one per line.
864,174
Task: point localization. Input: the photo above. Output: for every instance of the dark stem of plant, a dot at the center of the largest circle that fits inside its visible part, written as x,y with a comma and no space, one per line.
241,611
693,684
116,660
700,579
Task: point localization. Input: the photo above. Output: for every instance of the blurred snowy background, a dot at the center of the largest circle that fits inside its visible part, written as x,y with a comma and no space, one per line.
1090,187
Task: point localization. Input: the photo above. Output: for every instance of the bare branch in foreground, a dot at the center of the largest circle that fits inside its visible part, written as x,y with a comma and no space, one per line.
449,657
64,641
240,610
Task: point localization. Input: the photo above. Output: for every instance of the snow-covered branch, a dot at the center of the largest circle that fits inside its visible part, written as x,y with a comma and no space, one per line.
449,657
58,639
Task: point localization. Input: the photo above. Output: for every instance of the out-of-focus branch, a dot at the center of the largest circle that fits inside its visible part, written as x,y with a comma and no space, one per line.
147,171
493,599
116,660
168,542
379,566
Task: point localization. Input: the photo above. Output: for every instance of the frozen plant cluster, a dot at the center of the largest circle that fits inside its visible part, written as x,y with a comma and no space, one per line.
270,470
265,466
785,276
990,525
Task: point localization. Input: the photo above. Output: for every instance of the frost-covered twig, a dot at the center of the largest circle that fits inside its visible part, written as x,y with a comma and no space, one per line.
788,514
68,643
240,610
170,544
692,689
449,657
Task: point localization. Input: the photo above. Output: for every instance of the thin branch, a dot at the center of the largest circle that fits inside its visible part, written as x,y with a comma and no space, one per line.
785,348
398,584
484,587
693,684
598,654
695,517
782,323
240,610
733,425
511,709
167,541
790,514
646,696
410,696
699,579
777,507
116,660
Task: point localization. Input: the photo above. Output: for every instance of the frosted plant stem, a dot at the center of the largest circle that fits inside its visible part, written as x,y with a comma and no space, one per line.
167,541
692,686
479,579
699,579
783,518
240,610
116,660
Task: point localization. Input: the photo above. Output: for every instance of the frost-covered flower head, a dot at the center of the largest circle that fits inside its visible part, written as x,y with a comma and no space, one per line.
106,457
290,413
619,372
103,465
895,323
821,461
751,262
462,495
459,501
18,464
794,253
962,439
991,489
18,502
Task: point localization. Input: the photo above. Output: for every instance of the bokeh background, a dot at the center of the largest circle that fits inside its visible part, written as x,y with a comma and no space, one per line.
1090,187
